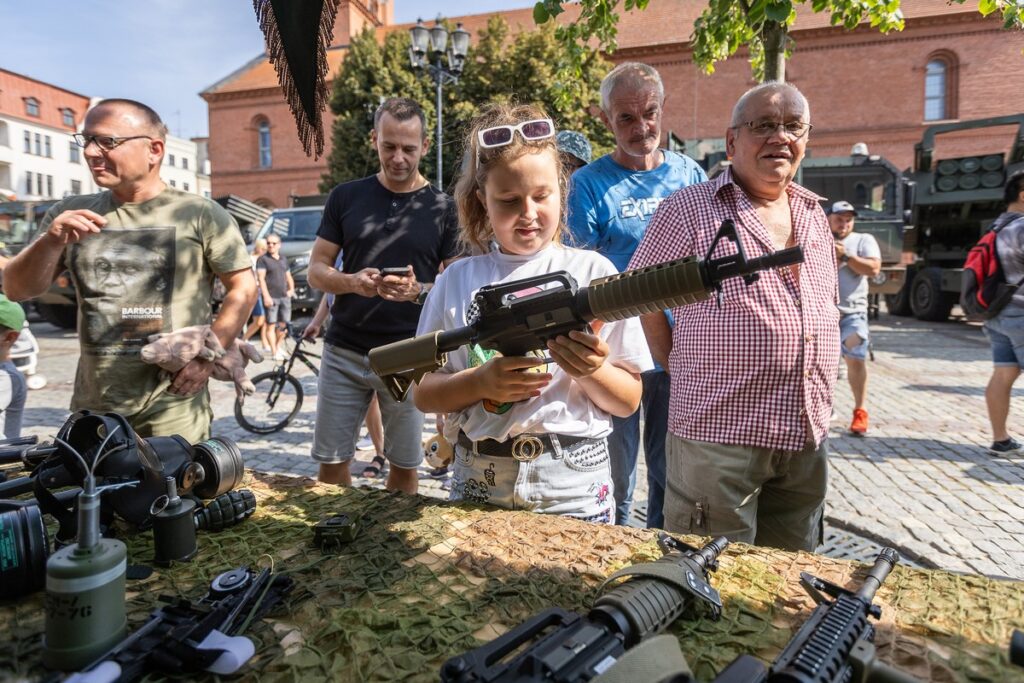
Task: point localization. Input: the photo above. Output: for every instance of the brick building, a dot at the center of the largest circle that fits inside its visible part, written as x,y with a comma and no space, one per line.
949,63
38,160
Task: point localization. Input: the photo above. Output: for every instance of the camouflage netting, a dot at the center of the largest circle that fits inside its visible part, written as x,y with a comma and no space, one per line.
425,580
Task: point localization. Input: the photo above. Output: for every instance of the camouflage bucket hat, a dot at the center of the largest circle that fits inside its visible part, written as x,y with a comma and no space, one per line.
574,143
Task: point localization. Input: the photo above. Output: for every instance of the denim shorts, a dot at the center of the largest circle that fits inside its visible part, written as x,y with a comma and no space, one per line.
259,310
1006,335
344,390
850,324
575,482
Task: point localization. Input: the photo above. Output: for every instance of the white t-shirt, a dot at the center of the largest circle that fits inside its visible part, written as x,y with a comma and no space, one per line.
562,407
853,288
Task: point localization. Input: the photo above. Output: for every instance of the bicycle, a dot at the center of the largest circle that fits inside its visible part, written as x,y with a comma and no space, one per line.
280,390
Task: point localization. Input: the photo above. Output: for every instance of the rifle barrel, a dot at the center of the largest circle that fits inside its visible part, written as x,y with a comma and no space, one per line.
887,559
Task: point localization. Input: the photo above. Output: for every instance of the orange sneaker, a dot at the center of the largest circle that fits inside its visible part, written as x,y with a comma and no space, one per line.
859,426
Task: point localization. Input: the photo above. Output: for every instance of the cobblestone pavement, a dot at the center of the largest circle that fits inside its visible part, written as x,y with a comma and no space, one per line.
921,480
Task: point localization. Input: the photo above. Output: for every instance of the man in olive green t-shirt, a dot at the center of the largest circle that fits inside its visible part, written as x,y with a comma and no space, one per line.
143,258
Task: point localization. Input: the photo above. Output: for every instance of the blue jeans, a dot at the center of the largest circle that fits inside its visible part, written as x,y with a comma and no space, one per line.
624,444
572,481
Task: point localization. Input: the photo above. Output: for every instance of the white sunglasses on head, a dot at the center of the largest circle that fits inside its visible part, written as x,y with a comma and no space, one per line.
499,136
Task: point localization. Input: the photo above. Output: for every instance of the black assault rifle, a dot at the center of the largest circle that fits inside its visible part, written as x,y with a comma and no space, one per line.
836,645
185,638
516,326
567,647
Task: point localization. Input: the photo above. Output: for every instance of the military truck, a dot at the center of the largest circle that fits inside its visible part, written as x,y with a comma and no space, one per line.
926,218
882,197
956,199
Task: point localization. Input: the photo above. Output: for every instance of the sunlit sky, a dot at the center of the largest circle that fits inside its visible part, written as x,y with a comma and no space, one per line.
161,52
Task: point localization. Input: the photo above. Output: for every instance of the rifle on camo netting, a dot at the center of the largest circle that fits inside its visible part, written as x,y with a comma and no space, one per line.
516,326
615,641
836,645
557,645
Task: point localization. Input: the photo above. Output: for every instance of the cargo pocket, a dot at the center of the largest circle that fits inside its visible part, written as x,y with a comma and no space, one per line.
587,456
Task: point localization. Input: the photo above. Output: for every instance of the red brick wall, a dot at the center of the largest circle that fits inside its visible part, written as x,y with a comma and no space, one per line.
234,154
862,87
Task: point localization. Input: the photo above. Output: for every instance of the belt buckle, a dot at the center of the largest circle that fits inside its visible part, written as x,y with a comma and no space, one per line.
526,447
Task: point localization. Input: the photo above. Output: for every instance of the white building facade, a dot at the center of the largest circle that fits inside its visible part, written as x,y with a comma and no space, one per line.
39,159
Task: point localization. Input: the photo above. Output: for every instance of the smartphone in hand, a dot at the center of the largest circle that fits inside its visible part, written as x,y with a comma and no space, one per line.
401,272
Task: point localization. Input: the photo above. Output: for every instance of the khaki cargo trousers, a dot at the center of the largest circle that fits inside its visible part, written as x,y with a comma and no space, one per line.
763,496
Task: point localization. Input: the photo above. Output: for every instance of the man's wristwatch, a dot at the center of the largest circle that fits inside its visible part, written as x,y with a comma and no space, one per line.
422,296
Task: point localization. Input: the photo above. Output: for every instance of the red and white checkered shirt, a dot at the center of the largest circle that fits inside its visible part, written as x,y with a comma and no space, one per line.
760,368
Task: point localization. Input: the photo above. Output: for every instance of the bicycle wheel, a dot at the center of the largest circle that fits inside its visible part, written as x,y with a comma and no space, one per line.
277,400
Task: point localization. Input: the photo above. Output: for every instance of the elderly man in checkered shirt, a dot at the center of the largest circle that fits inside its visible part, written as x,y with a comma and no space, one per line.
752,375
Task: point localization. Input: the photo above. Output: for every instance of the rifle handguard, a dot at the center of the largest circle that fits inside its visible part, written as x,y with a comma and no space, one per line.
647,290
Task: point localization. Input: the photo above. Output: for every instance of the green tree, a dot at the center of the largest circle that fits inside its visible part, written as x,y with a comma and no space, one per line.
500,67
726,25
370,74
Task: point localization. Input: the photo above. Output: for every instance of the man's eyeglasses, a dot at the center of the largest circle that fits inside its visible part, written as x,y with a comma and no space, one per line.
499,136
104,142
794,130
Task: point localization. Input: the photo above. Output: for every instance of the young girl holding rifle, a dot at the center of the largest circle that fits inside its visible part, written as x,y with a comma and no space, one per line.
529,432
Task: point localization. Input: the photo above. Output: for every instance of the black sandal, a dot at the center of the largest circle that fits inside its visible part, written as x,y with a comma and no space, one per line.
376,469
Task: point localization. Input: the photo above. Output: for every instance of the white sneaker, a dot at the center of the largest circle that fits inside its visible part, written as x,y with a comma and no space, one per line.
281,355
364,444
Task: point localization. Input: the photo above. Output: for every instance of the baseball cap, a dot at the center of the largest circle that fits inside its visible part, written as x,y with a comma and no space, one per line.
12,315
576,144
843,207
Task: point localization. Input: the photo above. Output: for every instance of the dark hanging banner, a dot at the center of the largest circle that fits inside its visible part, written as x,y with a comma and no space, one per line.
298,33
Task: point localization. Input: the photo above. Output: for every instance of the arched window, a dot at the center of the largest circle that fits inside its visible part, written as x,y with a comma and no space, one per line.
940,87
263,143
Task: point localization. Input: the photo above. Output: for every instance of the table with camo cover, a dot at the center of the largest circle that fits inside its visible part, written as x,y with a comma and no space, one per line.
425,580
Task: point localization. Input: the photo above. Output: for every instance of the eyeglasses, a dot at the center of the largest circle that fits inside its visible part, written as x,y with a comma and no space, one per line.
794,130
104,142
499,136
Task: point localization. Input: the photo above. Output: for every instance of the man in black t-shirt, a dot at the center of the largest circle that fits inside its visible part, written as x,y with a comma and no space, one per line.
278,288
393,219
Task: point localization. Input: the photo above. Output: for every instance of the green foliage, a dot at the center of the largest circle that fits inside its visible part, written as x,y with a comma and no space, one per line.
500,67
1011,10
726,25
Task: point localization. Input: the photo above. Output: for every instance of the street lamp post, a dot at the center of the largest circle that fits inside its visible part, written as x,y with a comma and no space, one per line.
427,48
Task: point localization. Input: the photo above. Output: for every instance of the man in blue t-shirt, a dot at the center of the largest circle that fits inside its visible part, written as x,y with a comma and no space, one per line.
610,203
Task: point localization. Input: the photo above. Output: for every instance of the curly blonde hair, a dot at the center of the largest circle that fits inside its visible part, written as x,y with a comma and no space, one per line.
475,227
